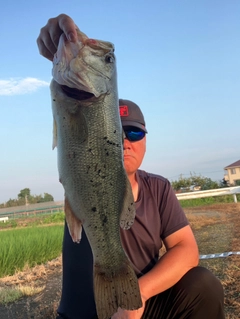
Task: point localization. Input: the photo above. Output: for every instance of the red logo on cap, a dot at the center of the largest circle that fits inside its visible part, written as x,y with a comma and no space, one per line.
123,109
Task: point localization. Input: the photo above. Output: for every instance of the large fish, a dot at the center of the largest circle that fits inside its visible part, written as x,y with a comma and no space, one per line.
88,136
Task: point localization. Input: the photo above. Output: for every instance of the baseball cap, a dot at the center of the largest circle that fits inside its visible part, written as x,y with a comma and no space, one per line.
131,115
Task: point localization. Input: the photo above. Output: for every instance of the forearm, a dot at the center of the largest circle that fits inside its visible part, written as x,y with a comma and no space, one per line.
169,270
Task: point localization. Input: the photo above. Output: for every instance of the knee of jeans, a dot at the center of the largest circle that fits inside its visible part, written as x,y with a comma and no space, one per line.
201,281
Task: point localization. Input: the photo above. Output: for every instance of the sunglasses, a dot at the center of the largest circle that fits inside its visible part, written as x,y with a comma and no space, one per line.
134,135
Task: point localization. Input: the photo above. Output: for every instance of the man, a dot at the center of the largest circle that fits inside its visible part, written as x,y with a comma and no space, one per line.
171,287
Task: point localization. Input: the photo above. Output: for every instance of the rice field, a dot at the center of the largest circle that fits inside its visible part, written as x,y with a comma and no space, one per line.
28,247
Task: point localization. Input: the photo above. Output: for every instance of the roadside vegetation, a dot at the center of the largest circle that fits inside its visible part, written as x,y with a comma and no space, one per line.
200,182
43,219
195,202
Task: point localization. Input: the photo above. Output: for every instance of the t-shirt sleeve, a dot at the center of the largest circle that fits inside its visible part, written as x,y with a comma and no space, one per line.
171,213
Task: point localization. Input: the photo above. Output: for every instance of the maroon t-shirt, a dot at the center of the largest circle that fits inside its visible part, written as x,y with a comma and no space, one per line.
158,215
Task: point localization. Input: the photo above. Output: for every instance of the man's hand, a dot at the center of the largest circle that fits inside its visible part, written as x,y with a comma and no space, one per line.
48,38
129,314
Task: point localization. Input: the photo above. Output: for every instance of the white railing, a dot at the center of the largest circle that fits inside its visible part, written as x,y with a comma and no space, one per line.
211,192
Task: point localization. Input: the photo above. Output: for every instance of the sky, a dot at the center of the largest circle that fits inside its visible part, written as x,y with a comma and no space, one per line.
179,60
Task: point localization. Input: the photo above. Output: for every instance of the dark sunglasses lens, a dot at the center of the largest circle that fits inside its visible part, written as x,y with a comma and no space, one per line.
133,136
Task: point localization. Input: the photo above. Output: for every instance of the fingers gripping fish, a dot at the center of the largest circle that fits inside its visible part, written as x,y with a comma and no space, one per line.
88,137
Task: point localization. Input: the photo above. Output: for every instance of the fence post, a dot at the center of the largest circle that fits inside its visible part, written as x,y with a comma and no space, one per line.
235,198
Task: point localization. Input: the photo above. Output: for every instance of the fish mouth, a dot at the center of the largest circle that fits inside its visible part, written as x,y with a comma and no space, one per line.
76,94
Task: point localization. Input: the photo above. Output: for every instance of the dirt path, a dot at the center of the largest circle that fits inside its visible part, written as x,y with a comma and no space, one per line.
42,305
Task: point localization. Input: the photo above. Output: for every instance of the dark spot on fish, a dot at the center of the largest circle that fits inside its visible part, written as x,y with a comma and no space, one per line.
107,153
94,209
90,151
114,131
54,100
72,155
105,137
104,220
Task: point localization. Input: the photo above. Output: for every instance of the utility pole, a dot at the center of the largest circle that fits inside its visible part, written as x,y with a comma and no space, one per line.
26,200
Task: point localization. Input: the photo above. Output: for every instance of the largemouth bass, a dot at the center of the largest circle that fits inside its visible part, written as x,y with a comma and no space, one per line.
88,136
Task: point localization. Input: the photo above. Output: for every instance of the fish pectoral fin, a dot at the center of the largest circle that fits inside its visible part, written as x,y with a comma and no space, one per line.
128,212
74,224
54,142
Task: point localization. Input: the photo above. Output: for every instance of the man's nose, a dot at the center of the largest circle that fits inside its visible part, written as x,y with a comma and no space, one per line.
126,143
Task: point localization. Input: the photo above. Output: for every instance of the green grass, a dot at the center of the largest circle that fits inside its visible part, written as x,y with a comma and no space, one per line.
54,218
9,224
9,295
28,246
48,219
35,221
207,201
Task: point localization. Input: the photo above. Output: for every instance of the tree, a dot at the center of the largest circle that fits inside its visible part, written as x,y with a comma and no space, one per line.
25,197
11,203
194,180
223,183
209,184
23,193
237,182
48,198
181,183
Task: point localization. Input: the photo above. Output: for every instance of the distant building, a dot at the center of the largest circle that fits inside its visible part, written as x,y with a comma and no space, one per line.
195,188
232,173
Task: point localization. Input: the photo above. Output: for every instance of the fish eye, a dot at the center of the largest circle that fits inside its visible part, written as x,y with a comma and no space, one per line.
109,58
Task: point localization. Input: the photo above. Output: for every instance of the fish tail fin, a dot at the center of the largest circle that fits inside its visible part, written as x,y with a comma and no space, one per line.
119,290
